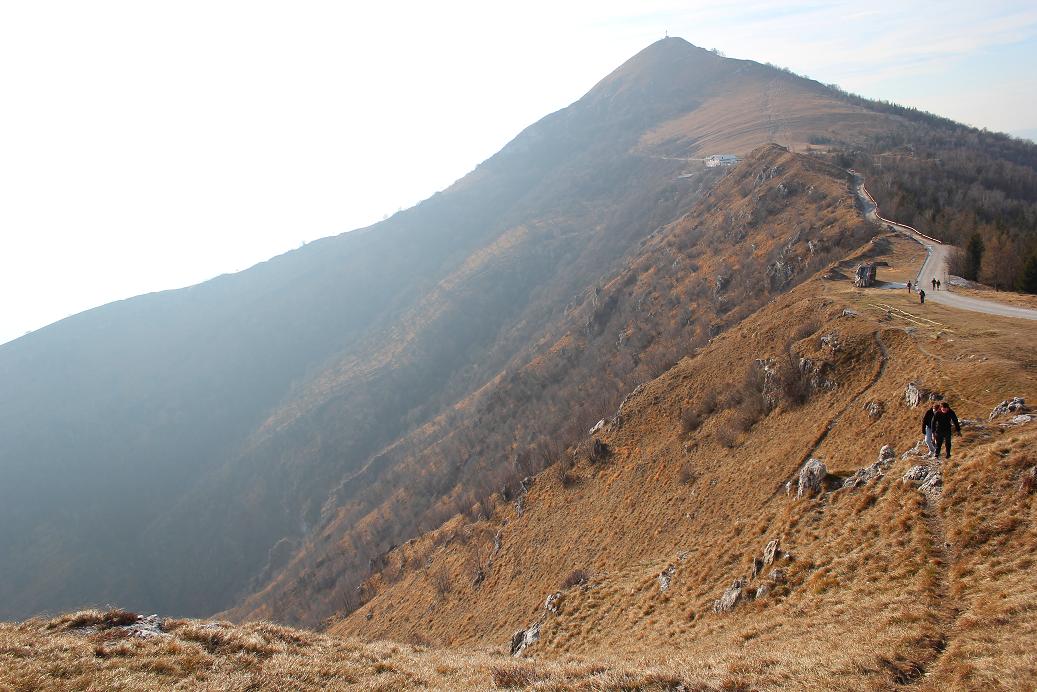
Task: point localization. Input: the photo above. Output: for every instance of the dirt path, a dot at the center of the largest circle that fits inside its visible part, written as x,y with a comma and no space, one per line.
851,401
935,266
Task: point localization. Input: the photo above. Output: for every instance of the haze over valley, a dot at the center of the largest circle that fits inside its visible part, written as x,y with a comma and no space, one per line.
634,404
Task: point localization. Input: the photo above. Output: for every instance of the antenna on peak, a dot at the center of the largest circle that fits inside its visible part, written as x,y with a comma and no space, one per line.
666,33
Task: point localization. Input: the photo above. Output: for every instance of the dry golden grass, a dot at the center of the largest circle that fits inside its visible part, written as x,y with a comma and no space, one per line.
52,655
873,597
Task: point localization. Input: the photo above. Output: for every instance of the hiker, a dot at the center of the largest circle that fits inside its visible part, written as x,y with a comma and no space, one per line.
937,284
921,295
927,428
943,421
934,283
908,286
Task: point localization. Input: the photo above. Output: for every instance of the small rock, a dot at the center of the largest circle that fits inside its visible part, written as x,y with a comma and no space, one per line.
666,578
600,425
875,409
763,589
915,394
771,552
777,576
811,477
886,454
917,473
847,312
933,483
1014,405
731,597
1020,419
553,602
756,568
523,639
919,450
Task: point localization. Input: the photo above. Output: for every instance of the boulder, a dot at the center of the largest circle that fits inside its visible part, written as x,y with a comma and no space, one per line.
915,395
1014,405
731,597
917,473
933,483
523,639
666,578
598,427
875,409
811,478
771,552
830,342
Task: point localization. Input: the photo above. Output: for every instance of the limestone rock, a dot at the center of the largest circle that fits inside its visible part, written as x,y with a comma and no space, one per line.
811,477
933,483
919,450
666,578
1014,405
1020,419
886,458
598,427
553,602
830,342
915,395
731,597
875,409
771,552
847,312
917,473
523,639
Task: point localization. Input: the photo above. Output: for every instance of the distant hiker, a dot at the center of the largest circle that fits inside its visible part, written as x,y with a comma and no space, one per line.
927,428
908,286
943,422
921,295
934,283
937,284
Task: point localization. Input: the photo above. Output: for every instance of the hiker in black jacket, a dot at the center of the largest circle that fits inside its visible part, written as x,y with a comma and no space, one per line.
927,428
943,422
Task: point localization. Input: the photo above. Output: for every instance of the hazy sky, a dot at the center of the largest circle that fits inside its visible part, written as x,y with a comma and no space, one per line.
148,145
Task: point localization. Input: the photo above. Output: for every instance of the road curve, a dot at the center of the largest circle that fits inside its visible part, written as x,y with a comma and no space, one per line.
935,266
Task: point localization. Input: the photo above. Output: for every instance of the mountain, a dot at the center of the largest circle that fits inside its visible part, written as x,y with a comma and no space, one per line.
256,443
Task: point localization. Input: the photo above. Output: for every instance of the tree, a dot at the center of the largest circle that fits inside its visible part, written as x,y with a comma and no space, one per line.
1027,281
973,257
1000,262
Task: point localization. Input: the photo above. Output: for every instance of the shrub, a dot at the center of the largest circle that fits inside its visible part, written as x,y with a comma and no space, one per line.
576,578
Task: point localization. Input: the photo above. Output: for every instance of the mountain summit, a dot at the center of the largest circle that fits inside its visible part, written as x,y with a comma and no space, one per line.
256,443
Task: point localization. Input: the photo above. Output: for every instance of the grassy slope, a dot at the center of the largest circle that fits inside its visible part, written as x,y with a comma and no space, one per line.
882,588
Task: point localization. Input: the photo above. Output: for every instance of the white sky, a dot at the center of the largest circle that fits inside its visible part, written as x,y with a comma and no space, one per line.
148,145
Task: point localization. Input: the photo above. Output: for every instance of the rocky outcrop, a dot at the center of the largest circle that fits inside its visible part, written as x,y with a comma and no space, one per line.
875,409
928,478
666,578
864,275
811,478
731,597
916,395
877,470
1015,405
523,639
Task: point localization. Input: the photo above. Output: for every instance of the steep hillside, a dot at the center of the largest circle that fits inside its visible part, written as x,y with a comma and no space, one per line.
891,572
257,442
766,226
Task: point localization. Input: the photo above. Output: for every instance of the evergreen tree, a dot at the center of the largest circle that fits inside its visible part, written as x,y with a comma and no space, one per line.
973,257
1027,282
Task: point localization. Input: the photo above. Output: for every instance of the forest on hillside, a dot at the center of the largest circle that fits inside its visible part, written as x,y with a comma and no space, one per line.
972,188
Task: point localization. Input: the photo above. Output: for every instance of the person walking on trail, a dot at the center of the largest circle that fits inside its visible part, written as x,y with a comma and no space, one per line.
938,284
927,428
934,283
908,286
921,295
943,422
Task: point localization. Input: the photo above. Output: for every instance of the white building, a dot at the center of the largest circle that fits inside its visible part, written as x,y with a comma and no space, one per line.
721,160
